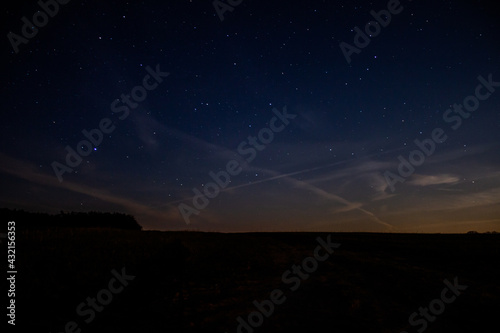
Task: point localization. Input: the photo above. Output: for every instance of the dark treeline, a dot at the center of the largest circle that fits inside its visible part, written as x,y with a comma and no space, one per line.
26,219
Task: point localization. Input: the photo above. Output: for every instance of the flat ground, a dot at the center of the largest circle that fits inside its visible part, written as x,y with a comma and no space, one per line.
202,282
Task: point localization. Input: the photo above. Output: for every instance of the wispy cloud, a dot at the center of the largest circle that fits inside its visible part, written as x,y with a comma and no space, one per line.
306,185
426,180
28,171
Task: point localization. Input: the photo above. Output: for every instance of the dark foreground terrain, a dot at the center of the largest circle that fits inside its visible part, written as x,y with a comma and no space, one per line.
202,282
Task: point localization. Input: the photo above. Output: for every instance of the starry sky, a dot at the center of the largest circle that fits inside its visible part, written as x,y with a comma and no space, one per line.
255,115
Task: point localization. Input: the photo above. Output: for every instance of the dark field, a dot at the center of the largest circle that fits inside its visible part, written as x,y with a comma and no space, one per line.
202,282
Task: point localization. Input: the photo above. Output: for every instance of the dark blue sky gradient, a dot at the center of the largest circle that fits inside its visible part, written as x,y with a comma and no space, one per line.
325,171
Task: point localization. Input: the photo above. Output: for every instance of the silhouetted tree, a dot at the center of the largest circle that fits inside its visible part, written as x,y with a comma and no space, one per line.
72,219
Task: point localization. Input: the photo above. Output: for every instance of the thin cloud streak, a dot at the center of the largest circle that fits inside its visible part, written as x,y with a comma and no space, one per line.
29,172
425,180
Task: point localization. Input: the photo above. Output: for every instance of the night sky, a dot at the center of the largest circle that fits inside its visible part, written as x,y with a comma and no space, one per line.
271,119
